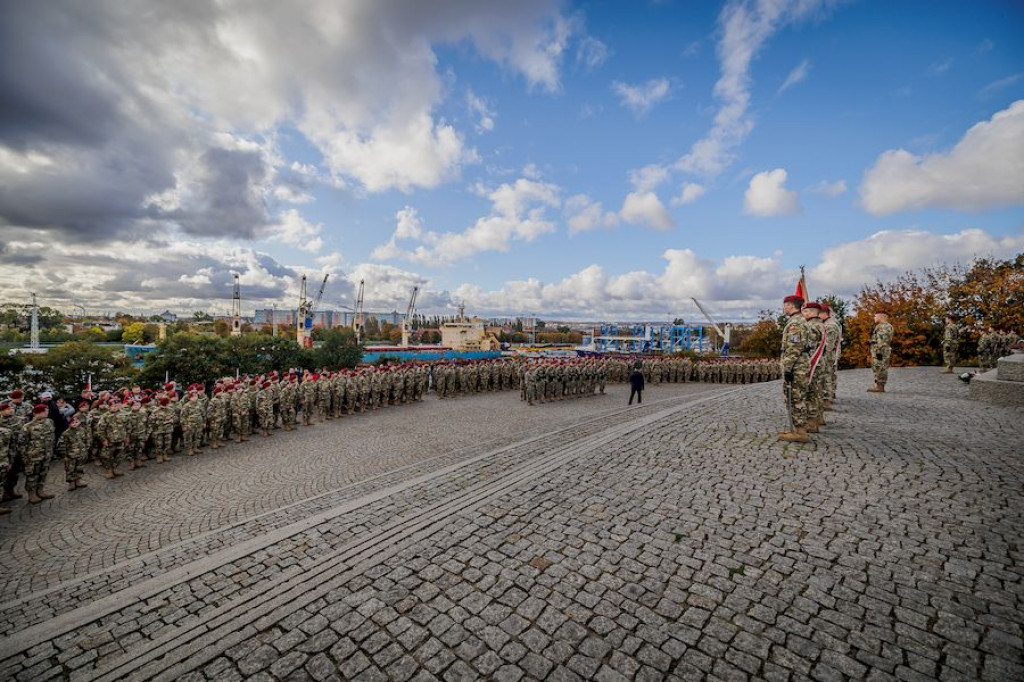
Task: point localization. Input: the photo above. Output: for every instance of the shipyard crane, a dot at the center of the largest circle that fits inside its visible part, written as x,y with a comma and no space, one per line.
236,309
307,309
724,333
358,322
408,316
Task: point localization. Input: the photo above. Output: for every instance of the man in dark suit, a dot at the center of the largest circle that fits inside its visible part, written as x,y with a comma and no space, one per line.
636,386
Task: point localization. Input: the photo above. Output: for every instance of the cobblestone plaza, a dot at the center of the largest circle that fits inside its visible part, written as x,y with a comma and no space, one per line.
483,539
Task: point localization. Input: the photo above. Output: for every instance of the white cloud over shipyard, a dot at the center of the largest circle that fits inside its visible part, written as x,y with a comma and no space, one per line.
767,195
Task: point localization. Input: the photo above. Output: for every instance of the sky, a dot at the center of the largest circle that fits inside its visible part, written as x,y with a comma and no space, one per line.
569,160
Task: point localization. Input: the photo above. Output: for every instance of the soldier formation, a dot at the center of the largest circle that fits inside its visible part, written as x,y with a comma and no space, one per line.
811,344
994,345
553,380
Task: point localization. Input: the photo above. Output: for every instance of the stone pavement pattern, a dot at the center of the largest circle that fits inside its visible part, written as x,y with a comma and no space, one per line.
676,542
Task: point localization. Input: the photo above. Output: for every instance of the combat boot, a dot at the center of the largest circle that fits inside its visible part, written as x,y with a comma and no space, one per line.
109,473
44,496
33,498
948,370
812,426
877,388
828,406
71,486
5,510
799,435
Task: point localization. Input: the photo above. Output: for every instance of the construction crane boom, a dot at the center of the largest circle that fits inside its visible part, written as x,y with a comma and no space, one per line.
408,315
724,333
319,295
357,319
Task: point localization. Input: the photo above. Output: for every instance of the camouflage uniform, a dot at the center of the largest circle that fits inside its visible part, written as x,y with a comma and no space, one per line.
241,414
308,393
73,447
816,384
162,426
113,430
38,434
265,410
138,434
218,418
193,422
950,345
881,352
796,359
289,401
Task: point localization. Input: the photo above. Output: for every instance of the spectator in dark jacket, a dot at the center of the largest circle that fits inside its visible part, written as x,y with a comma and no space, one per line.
636,387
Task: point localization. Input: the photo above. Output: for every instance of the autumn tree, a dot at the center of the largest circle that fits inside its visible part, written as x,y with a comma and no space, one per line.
765,339
914,309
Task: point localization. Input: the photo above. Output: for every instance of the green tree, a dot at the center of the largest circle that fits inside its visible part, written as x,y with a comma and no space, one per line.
765,339
134,333
70,364
187,358
339,349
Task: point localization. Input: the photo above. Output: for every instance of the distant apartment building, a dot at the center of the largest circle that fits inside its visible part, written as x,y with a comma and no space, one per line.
326,319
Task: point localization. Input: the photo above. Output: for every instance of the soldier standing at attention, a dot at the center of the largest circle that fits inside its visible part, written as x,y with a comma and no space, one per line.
796,369
950,344
265,409
815,384
39,441
6,444
73,447
833,345
113,431
881,350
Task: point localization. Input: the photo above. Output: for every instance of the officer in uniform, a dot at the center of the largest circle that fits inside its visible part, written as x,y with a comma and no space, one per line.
796,368
950,344
881,350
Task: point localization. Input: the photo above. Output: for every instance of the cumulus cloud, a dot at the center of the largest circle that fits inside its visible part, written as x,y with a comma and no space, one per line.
142,274
746,25
885,255
690,192
645,208
585,215
797,75
518,213
641,98
767,195
116,118
984,169
295,230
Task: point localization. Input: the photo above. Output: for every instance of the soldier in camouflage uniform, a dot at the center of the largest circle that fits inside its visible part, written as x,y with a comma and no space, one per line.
218,417
308,392
7,431
289,402
113,431
816,382
73,447
950,344
39,435
241,414
265,409
797,339
138,433
193,422
881,350
833,344
161,422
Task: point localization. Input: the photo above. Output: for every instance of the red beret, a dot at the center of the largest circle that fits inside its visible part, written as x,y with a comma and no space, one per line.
826,307
814,305
5,406
164,402
169,386
145,400
266,384
16,394
84,403
793,299
39,409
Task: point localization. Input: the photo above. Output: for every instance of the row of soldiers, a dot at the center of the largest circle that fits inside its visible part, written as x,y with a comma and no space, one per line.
811,343
550,380
992,345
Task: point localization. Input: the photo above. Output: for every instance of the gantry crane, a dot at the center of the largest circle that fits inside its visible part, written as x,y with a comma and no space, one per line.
408,316
724,333
358,322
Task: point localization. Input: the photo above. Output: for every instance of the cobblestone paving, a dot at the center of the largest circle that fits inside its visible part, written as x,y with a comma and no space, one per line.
679,543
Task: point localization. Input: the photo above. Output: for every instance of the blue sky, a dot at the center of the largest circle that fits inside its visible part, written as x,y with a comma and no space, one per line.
599,160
